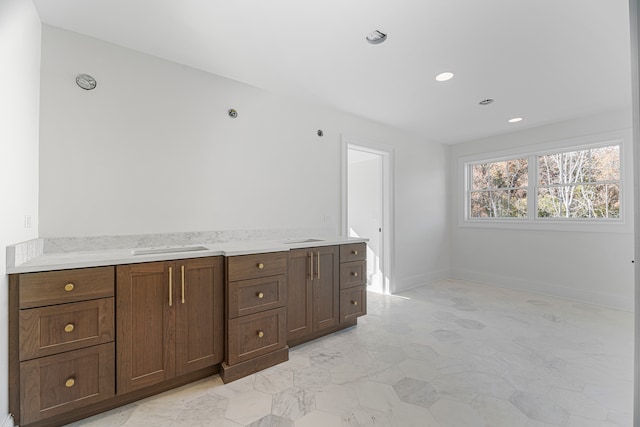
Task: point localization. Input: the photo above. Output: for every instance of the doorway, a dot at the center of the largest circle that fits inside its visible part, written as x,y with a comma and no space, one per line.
368,209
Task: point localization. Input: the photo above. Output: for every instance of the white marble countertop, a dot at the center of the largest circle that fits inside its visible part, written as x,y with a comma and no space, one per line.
81,259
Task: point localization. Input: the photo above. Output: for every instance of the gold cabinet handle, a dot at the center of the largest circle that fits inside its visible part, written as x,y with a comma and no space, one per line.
311,265
355,252
69,327
354,302
354,273
260,334
170,286
260,295
182,274
69,287
318,272
70,382
261,266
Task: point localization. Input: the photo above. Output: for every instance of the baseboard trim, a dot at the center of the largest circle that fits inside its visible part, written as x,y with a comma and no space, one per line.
547,289
8,421
406,283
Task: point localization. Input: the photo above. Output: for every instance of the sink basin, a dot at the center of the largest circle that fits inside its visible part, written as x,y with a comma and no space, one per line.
295,241
168,250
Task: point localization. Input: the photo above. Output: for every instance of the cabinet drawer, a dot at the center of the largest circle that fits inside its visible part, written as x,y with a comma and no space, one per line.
353,274
353,303
49,330
353,252
256,334
256,295
56,384
58,287
257,265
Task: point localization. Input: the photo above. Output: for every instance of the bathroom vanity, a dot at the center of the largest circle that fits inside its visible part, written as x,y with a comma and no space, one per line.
94,331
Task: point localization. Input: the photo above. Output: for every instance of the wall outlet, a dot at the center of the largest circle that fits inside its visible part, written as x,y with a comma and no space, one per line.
28,223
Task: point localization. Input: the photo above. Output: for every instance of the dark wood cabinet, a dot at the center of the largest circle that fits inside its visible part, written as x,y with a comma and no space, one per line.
64,382
169,320
61,342
353,303
256,314
313,293
86,340
353,282
299,295
200,314
54,329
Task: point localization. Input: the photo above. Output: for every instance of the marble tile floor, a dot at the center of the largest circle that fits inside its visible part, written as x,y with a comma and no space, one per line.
450,354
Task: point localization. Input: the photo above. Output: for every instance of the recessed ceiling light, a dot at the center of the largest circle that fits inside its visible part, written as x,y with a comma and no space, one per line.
376,37
443,77
515,120
486,101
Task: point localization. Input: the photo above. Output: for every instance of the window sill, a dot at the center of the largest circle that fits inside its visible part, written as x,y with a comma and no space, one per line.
611,226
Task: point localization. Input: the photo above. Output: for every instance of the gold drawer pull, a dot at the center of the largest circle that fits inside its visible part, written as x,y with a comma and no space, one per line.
69,287
260,334
70,383
69,327
354,252
260,295
354,273
261,266
354,302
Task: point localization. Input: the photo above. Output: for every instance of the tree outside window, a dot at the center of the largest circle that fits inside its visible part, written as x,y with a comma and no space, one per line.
499,189
580,184
575,184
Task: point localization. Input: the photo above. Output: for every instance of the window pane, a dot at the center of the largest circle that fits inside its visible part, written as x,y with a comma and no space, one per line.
605,163
594,165
564,168
506,174
579,201
499,204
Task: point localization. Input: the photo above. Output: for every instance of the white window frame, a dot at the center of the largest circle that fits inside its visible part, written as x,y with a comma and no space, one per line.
621,225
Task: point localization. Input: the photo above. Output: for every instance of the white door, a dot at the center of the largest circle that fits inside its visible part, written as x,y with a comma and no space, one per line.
365,209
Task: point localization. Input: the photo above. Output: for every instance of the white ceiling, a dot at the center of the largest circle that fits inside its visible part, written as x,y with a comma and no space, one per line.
544,60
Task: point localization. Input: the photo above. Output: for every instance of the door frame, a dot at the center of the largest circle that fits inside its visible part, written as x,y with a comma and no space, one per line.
388,222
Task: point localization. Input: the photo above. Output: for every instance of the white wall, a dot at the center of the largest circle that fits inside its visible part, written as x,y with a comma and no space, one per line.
588,266
19,103
152,149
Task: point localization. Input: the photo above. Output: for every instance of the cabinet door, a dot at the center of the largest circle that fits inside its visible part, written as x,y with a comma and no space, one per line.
145,321
199,313
299,294
326,292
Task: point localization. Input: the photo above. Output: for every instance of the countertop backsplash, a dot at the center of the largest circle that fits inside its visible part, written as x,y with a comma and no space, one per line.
134,241
45,254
